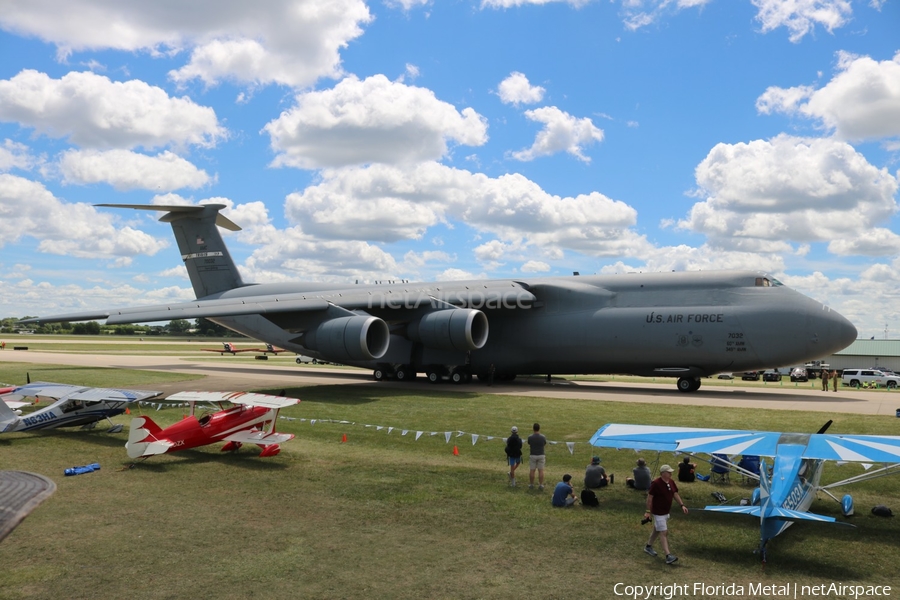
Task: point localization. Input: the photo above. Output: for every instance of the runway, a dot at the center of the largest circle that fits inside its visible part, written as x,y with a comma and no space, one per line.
222,376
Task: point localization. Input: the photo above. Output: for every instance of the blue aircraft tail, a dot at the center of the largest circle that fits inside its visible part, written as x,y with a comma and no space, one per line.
774,512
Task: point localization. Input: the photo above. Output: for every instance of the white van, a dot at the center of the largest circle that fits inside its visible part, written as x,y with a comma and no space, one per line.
855,377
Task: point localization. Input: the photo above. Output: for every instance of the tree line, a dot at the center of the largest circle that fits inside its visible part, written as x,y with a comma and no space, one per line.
179,327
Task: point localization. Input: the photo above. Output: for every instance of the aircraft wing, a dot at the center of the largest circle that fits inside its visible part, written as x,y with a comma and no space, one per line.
820,446
57,391
686,439
500,294
254,436
247,399
854,448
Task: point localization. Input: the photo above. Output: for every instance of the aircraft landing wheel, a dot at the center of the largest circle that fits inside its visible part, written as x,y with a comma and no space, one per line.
433,375
405,373
458,376
379,374
688,384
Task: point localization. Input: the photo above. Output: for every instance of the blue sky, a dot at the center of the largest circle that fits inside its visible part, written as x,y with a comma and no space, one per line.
432,140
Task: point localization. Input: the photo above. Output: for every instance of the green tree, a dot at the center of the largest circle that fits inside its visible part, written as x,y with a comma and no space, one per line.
178,326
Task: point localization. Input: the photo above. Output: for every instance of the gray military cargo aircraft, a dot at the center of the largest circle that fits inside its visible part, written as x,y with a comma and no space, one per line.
682,325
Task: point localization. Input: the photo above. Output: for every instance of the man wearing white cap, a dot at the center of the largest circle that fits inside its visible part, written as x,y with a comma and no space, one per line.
659,503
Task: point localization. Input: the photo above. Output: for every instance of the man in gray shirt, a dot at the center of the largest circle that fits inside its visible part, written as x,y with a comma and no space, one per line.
595,475
537,460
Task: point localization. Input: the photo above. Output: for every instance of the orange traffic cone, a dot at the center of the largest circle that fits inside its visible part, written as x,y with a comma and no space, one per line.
455,451
344,438
127,412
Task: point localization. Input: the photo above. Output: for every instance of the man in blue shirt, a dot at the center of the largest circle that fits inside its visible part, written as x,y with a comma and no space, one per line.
563,495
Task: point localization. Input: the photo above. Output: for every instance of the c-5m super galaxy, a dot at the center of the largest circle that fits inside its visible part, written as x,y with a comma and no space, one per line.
684,325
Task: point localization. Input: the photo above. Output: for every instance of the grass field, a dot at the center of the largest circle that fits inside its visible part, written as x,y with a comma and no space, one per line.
386,516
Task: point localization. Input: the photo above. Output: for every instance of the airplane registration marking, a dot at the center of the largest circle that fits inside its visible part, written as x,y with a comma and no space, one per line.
48,416
691,318
200,255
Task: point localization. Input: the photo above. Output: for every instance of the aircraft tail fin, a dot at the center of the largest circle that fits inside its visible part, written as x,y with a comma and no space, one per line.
753,511
142,438
7,416
202,248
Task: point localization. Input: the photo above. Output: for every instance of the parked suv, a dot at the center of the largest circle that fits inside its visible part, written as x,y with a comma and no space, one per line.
799,374
772,375
856,377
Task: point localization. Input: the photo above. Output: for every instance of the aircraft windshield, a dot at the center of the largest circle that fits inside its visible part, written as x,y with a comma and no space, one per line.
768,281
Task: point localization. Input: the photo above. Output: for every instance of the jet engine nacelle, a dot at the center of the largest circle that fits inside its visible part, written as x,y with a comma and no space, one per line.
461,329
347,339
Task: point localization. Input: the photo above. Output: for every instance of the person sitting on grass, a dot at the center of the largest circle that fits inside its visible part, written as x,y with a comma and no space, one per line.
564,494
686,470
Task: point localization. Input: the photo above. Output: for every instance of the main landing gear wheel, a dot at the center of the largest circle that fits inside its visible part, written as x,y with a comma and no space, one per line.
688,384
433,376
379,374
459,376
405,373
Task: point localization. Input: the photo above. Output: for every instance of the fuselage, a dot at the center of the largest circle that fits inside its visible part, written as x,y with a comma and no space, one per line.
676,324
67,413
192,432
793,486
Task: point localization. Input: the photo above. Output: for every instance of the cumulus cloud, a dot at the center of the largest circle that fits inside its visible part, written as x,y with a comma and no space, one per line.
535,266
387,204
561,133
641,13
763,194
368,121
801,16
126,170
516,90
291,42
862,100
28,208
14,155
92,111
512,3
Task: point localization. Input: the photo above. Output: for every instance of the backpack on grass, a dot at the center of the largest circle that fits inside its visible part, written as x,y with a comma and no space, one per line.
589,498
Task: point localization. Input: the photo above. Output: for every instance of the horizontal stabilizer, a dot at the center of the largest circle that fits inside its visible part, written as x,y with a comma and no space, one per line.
753,511
259,437
142,439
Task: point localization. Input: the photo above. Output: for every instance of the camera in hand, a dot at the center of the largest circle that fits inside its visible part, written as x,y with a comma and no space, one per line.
645,520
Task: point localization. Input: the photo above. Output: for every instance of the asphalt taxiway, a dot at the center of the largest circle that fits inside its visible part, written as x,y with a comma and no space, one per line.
224,374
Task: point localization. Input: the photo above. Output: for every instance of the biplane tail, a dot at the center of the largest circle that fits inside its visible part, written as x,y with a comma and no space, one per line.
142,438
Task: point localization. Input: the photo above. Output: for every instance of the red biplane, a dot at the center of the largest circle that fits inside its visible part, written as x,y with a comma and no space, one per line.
251,420
230,348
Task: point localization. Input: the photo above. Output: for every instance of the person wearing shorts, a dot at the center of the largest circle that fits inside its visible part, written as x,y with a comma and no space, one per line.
659,502
536,459
513,454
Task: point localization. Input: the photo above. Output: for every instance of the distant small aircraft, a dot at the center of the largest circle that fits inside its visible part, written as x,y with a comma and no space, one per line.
788,488
229,348
73,405
250,421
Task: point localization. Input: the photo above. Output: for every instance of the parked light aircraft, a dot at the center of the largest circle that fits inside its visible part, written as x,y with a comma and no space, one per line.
683,325
787,490
250,421
230,348
73,405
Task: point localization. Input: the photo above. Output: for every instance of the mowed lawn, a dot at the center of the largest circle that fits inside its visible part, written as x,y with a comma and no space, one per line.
387,516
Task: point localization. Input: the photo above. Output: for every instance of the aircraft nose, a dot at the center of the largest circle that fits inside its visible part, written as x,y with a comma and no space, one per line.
833,331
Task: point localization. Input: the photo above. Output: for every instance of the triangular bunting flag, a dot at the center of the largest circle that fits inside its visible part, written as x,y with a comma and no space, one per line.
405,431
474,438
390,429
379,427
571,447
312,421
447,436
419,434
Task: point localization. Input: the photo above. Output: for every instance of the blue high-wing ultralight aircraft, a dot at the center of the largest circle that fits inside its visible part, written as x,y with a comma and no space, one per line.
789,486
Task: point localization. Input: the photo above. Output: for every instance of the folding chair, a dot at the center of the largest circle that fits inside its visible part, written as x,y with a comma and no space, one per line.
720,469
749,462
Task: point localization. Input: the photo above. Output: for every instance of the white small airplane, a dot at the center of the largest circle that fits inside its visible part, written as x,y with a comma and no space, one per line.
787,488
72,405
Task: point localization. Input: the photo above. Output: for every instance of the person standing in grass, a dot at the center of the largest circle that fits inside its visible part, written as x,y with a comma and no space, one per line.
659,502
825,376
513,454
536,459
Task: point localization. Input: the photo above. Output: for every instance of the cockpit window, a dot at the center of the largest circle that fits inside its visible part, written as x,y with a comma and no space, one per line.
767,282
